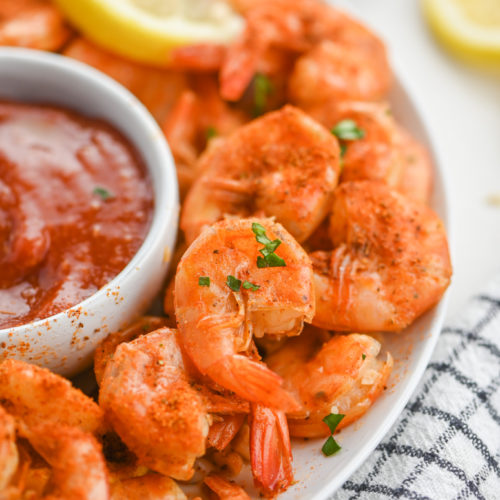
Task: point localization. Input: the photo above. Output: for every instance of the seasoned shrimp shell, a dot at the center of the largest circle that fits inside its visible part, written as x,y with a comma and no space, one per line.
283,165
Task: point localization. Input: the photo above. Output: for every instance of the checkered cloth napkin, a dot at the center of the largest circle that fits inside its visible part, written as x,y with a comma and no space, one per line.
446,443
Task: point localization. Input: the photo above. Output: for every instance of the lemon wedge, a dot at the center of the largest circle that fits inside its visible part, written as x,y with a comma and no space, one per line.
147,30
470,28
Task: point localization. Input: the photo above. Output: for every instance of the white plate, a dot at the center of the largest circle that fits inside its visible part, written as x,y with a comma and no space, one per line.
317,476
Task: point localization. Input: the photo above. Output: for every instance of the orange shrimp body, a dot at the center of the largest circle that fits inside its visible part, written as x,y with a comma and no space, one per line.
385,152
150,403
341,375
35,24
9,457
217,321
390,261
283,165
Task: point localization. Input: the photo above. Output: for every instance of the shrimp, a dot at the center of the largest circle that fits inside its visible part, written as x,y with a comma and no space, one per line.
342,57
105,350
226,490
385,152
336,71
375,155
158,89
78,467
33,394
341,375
389,265
150,403
36,24
151,486
223,431
9,457
417,175
283,165
270,450
217,321
198,116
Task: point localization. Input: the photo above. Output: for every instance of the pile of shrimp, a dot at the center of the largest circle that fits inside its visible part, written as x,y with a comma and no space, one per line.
305,231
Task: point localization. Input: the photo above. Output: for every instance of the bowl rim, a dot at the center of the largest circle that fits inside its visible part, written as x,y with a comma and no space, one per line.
164,182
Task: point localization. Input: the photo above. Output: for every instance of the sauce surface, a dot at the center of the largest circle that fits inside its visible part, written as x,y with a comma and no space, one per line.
75,205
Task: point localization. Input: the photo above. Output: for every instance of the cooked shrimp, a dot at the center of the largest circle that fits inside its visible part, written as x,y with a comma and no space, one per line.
389,265
341,375
283,165
105,350
199,115
417,174
9,457
375,154
217,321
226,490
78,466
384,152
158,89
33,395
150,403
148,487
36,24
334,71
270,450
223,430
349,60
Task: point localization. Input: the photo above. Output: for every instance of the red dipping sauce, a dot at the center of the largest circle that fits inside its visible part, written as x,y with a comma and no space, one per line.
75,205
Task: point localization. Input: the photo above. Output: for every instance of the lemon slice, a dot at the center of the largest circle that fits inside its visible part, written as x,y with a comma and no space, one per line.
470,28
147,30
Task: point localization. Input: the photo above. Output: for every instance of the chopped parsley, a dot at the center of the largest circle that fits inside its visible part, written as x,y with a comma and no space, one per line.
262,89
104,193
348,130
211,132
363,356
204,281
343,149
269,258
250,286
233,283
331,446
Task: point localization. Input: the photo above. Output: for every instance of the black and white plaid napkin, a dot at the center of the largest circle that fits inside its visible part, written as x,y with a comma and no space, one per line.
446,443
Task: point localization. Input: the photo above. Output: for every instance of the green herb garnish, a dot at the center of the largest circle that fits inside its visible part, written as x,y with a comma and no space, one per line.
211,132
263,88
331,446
233,283
348,130
363,356
269,259
104,193
250,286
204,281
343,149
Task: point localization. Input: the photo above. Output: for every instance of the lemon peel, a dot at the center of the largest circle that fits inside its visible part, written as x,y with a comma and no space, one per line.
469,28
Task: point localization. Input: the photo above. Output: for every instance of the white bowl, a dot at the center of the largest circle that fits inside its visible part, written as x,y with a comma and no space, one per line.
65,342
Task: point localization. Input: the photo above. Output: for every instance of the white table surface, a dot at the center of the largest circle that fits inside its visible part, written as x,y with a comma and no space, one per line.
464,103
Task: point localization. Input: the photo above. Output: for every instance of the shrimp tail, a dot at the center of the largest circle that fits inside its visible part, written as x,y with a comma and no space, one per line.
270,450
252,381
222,433
224,488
